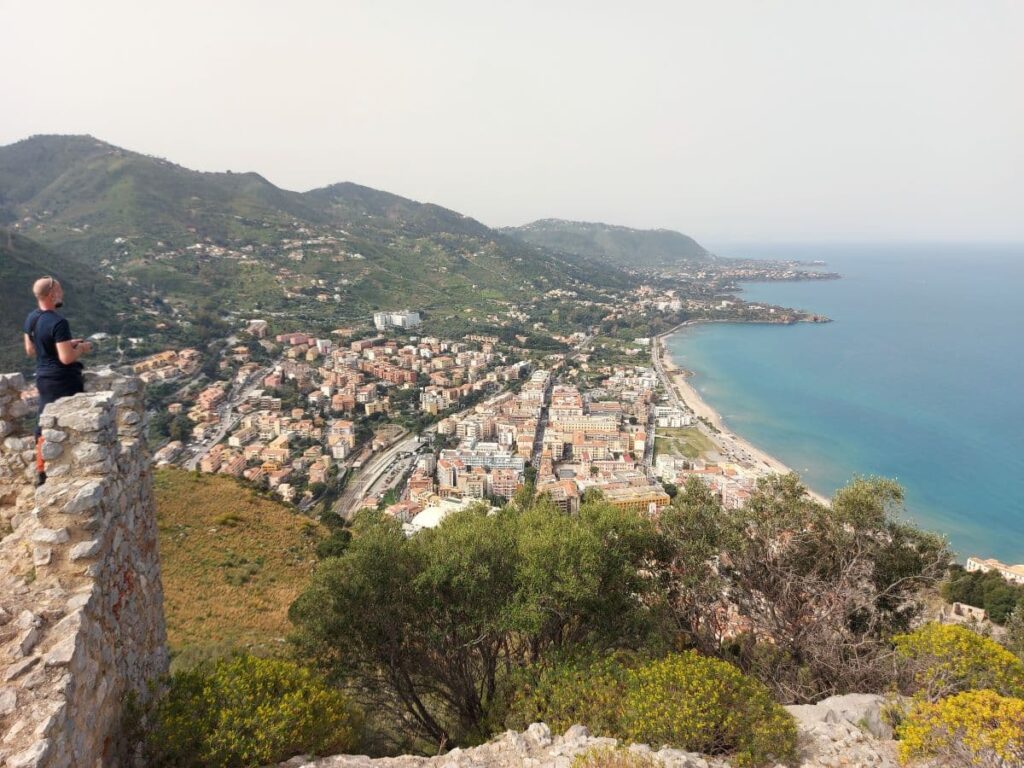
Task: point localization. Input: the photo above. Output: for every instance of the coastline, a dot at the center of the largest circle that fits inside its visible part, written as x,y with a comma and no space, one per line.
730,445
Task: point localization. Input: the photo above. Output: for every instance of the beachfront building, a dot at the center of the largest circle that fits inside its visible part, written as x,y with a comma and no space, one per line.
1012,573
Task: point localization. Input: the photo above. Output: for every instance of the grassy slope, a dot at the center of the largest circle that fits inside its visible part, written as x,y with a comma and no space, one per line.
232,563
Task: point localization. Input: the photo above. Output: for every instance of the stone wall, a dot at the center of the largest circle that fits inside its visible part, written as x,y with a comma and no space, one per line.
81,602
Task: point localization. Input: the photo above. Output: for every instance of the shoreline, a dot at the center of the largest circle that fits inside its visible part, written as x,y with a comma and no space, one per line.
730,445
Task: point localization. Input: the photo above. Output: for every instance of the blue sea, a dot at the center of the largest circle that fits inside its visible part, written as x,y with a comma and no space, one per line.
920,378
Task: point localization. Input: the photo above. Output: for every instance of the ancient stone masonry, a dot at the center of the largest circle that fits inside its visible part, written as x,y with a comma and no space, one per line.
81,603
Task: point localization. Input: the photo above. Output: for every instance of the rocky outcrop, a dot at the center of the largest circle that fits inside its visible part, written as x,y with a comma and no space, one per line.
833,734
81,603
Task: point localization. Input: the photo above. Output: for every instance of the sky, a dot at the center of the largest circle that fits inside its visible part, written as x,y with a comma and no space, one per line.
728,120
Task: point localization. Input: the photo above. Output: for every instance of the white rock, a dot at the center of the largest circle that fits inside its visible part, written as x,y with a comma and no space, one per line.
85,549
539,734
62,653
8,700
27,619
50,535
31,757
28,640
51,451
41,554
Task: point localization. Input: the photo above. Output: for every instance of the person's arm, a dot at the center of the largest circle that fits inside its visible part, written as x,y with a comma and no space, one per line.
30,348
68,349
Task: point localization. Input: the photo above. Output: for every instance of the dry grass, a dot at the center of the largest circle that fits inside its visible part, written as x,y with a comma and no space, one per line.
232,562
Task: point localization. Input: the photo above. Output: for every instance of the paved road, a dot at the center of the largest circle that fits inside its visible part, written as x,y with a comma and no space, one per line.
228,419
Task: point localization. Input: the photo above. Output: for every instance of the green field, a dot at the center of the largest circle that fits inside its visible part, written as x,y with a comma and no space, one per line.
686,442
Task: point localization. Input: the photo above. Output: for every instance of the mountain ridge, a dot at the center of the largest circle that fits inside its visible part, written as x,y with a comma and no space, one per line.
613,243
186,236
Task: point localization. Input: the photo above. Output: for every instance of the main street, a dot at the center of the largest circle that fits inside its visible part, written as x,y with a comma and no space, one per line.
228,418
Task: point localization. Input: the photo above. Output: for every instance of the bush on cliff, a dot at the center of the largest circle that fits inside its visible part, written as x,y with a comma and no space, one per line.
976,728
587,690
943,659
427,626
683,700
244,712
822,588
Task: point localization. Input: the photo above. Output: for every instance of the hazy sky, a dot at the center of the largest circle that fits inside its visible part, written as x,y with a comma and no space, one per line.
758,120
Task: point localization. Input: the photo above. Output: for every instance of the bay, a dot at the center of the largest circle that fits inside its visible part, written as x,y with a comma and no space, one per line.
920,378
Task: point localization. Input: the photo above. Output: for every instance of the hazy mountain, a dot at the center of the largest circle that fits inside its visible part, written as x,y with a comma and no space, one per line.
611,244
149,223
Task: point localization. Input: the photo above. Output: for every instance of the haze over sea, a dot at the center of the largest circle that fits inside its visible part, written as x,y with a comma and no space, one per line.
920,377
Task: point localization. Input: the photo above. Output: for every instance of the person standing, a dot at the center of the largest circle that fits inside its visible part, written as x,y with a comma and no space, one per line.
58,370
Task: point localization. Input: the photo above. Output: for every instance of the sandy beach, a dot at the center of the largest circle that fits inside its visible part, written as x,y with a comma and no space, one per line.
731,446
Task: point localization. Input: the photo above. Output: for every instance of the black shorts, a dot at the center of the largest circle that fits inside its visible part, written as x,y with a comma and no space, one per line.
51,390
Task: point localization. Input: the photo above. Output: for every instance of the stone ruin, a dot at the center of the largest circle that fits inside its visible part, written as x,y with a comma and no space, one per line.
81,602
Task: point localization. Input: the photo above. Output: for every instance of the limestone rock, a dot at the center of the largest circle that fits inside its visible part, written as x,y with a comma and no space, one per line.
8,700
31,757
863,709
85,549
54,436
51,451
50,535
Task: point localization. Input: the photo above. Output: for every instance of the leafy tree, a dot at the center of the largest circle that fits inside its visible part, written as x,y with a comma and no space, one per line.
822,588
425,626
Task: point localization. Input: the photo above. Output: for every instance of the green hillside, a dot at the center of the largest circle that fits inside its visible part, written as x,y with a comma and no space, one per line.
91,304
621,246
236,242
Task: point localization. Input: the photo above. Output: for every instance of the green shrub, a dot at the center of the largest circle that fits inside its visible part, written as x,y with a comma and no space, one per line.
244,712
944,659
611,757
685,701
976,728
586,691
705,705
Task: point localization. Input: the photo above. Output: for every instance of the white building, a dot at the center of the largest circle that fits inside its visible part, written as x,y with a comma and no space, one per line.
403,319
1012,573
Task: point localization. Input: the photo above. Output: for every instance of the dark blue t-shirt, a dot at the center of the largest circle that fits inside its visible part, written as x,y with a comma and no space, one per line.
47,328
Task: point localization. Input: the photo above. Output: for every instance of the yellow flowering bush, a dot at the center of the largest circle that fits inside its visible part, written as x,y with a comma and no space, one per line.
685,701
943,659
245,712
977,728
700,704
582,691
611,757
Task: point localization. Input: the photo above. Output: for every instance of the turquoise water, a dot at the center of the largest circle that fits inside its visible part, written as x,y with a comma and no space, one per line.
920,378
